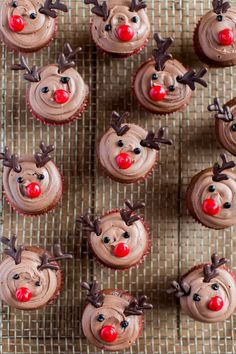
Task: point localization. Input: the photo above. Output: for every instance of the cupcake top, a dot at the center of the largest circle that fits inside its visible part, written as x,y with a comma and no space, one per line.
119,27
31,183
217,32
207,292
55,91
28,25
129,152
162,84
225,123
30,276
120,238
113,319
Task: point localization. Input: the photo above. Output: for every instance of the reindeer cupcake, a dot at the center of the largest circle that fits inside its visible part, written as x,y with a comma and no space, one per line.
30,277
32,184
162,85
120,28
207,292
113,319
57,93
29,25
119,239
128,153
211,195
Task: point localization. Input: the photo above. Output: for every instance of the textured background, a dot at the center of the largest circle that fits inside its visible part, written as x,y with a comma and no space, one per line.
177,241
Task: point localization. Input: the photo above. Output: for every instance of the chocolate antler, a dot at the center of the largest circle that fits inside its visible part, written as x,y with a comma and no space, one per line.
99,10
191,76
219,6
160,55
43,156
223,112
57,256
210,271
116,123
32,74
136,307
94,296
217,169
153,142
179,289
11,249
127,215
49,8
11,161
66,59
88,224
137,5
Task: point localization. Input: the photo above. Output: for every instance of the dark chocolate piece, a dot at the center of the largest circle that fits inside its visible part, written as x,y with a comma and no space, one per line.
11,161
42,157
223,112
217,169
57,256
219,6
66,59
31,75
191,77
116,123
210,271
95,297
153,142
137,5
127,215
160,55
89,225
49,8
99,10
136,307
179,289
11,249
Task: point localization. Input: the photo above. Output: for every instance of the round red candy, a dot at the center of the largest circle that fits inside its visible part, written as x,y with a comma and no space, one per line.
216,303
33,190
157,93
16,23
108,334
121,250
226,36
125,33
124,161
210,207
61,96
23,294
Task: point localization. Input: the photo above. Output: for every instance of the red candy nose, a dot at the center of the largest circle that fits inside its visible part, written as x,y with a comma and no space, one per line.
33,190
108,334
216,303
16,23
124,161
125,33
210,207
157,93
121,250
226,36
23,294
61,96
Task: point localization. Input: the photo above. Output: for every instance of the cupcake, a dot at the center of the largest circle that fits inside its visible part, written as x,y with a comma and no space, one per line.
30,276
215,35
207,292
211,195
225,123
57,93
120,28
29,25
119,239
128,153
32,184
113,319
162,85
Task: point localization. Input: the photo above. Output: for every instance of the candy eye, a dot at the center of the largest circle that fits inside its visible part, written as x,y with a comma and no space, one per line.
220,18
120,143
33,16
20,180
126,234
134,19
108,28
171,88
40,176
14,3
16,277
137,151
106,239
37,283
45,89
196,297
215,286
227,205
65,79
124,324
100,318
154,77
233,127
212,189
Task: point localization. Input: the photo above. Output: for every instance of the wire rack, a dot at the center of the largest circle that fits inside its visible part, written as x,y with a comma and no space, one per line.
177,241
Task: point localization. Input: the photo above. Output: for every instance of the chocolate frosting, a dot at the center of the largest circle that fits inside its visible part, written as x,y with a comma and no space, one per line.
36,33
15,192
208,35
120,14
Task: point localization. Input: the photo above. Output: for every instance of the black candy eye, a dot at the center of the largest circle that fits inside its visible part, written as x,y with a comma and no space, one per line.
212,189
233,127
137,151
14,3
124,324
106,239
134,19
215,286
196,297
45,89
108,28
154,77
227,205
37,283
126,234
100,318
20,180
65,79
120,143
40,176
171,88
220,18
33,16
16,276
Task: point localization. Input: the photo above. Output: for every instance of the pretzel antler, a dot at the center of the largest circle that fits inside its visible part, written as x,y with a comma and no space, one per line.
11,249
219,6
179,289
127,215
137,5
11,161
191,77
94,296
31,75
57,256
223,112
66,59
88,224
136,307
116,123
160,55
99,10
43,156
49,8
153,142
210,271
217,169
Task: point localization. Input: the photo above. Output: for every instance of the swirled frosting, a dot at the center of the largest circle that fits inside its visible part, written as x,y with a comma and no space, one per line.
208,31
174,99
199,310
120,14
37,32
136,236
15,192
115,302
44,105
142,164
49,280
225,192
